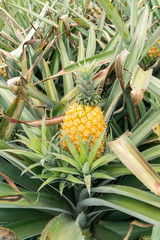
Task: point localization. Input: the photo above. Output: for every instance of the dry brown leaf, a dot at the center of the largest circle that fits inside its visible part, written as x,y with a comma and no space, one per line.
119,65
7,54
135,223
66,24
136,96
60,73
17,86
139,82
7,15
8,37
7,234
29,72
14,187
46,39
36,123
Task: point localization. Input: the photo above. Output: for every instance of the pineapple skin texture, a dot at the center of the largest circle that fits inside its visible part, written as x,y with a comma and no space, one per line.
87,120
154,52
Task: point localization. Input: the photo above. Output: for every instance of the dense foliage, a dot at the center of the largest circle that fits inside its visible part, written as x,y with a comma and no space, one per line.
72,192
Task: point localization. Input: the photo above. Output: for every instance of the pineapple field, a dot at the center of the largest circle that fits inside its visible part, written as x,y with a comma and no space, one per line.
80,120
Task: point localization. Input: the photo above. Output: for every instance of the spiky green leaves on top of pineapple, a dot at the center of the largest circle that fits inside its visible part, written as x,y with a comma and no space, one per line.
87,88
88,93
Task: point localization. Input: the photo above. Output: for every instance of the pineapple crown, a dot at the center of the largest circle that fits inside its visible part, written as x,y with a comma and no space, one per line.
87,88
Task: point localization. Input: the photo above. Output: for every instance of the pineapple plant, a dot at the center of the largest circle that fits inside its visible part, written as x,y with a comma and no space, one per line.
65,189
84,115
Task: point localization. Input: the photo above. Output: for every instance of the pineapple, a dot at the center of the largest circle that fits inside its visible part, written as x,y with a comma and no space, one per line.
3,71
84,115
154,52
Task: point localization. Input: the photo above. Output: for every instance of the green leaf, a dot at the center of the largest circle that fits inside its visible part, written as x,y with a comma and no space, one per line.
86,168
94,149
49,85
14,111
44,136
130,206
145,129
62,227
17,161
30,167
101,233
49,180
154,87
133,17
42,202
5,47
135,49
122,227
24,63
155,233
4,145
102,161
151,153
91,47
1,24
65,170
37,94
72,149
131,192
55,62
61,187
67,159
115,19
15,174
33,138
43,176
102,175
138,41
87,179
155,3
31,155
67,79
73,179
116,170
81,50
28,228
83,6
98,59
9,215
126,151
82,149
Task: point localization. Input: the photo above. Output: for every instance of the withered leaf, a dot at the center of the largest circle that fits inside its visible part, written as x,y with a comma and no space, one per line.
36,123
13,186
119,65
135,223
7,234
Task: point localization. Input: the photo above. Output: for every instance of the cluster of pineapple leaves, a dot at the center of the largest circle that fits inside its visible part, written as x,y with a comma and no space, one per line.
56,194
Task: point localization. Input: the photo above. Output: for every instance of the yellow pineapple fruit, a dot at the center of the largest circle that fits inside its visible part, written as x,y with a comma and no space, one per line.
154,52
3,71
84,115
